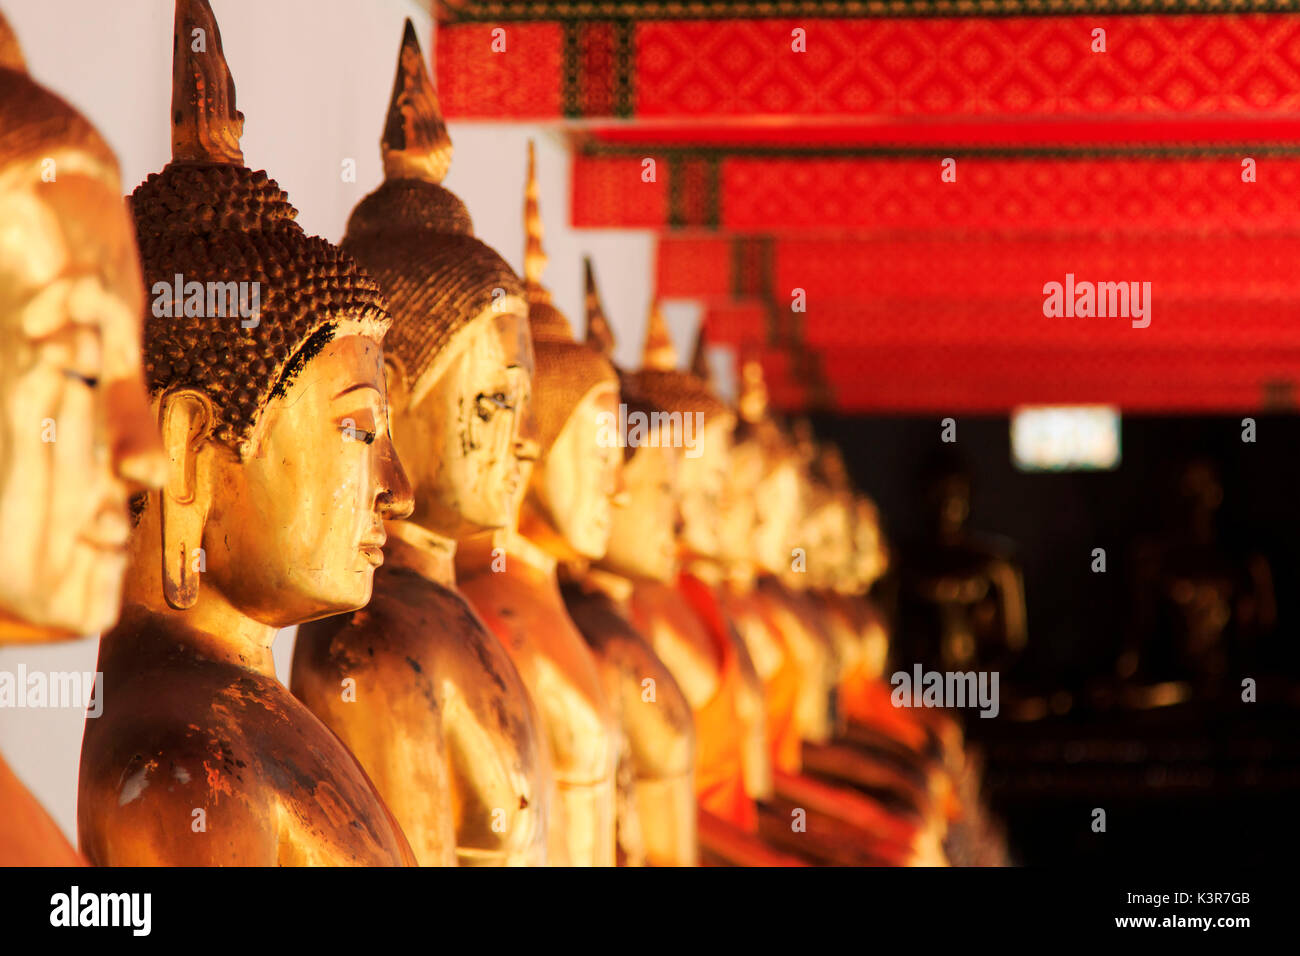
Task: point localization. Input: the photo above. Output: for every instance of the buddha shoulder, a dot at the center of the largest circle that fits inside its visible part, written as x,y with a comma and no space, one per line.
427,634
199,761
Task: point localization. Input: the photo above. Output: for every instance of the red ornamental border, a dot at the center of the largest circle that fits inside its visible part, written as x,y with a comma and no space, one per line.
872,70
1163,190
840,273
989,380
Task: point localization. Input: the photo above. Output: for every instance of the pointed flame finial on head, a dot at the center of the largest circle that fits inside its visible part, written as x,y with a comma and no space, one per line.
415,144
805,440
700,366
206,127
752,402
599,334
831,466
11,54
659,353
534,255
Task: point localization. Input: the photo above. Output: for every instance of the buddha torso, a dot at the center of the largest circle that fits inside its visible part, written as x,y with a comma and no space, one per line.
440,720
752,618
959,598
798,619
522,606
1209,608
183,732
709,677
656,722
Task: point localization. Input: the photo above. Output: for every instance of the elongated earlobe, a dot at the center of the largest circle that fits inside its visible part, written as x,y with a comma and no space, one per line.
186,417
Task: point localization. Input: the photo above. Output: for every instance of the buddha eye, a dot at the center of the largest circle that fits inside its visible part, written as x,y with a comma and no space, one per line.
89,381
488,404
352,433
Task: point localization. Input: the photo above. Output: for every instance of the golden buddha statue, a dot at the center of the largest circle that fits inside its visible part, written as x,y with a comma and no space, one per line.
786,640
657,808
564,513
76,436
280,473
439,717
684,470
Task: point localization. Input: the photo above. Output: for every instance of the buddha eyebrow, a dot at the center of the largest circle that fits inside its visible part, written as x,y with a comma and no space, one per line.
357,387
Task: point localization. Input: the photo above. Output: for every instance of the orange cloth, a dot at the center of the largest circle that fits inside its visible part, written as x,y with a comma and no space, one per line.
865,699
781,690
719,771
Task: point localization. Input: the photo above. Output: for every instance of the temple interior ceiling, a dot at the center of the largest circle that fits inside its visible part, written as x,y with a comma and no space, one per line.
921,170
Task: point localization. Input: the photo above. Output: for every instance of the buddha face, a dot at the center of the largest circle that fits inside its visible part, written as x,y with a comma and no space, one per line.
736,523
76,435
295,532
776,526
576,482
461,442
950,503
643,539
703,481
829,545
870,558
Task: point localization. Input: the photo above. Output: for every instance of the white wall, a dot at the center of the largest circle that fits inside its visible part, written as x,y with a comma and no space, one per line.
313,80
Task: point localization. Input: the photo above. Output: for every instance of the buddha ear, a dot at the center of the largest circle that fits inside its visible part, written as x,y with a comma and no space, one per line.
186,417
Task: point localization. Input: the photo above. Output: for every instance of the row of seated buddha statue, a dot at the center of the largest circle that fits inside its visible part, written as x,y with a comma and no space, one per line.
518,643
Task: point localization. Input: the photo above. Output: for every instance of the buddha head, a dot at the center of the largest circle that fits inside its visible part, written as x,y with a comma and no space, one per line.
458,357
765,481
643,522
703,426
571,490
274,414
76,436
830,536
946,485
870,558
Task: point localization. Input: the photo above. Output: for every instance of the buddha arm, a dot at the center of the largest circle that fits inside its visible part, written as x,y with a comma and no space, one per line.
661,735
1011,590
379,709
583,749
170,811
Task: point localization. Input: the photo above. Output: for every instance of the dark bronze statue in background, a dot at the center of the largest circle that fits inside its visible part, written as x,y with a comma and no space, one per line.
963,601
1200,610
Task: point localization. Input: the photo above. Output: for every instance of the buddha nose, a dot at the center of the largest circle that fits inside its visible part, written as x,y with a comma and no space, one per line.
136,447
396,498
618,496
527,446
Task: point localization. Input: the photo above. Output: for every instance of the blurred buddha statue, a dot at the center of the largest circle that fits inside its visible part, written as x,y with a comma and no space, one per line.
785,635
1200,607
415,683
76,436
963,600
280,474
754,541
676,612
657,807
564,514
